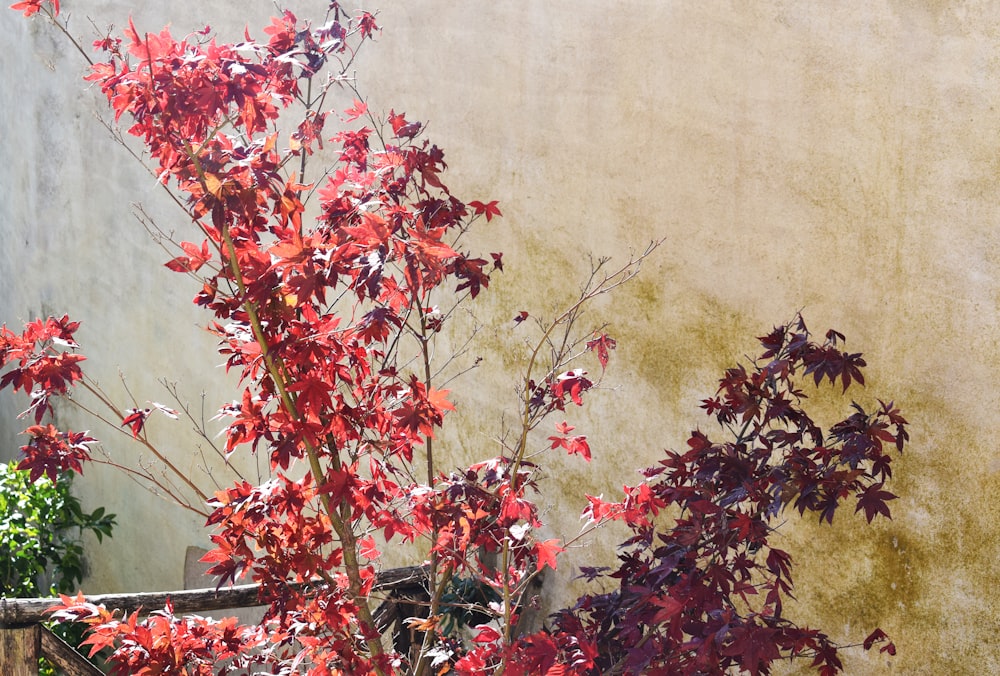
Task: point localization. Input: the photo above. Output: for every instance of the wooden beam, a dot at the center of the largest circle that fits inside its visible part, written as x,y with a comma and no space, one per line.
25,611
14,612
61,654
19,650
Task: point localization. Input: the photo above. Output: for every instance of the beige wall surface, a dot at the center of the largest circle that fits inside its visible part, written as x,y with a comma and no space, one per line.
838,158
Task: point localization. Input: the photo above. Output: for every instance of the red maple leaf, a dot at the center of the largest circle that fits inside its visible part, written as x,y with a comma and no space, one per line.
669,607
490,209
355,111
598,510
546,553
487,634
29,7
753,646
135,418
367,25
578,445
572,383
51,452
401,128
601,344
873,500
573,444
196,257
439,400
878,636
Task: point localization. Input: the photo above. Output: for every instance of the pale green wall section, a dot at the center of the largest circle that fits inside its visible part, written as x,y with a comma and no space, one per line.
838,160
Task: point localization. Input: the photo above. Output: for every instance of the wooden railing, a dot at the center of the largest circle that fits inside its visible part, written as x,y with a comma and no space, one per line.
23,639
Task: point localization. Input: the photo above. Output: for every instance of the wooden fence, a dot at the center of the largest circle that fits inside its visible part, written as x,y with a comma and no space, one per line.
23,639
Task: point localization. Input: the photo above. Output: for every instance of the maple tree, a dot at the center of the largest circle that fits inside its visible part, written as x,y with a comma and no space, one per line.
330,327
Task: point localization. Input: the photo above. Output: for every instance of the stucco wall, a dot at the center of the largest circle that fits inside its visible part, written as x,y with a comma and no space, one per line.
839,160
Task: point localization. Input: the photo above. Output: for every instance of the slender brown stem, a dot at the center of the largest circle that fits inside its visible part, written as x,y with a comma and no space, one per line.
65,31
568,318
437,588
341,526
141,438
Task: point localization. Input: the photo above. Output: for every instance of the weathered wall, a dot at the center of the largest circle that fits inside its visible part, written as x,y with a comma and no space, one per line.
794,155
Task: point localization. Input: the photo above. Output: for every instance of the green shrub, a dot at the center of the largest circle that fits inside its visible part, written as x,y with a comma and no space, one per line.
41,526
41,554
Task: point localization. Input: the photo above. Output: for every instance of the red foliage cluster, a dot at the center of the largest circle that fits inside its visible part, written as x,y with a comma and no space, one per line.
702,592
29,7
317,320
42,371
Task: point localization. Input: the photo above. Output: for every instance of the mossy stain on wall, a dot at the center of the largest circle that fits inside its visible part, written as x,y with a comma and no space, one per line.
927,576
